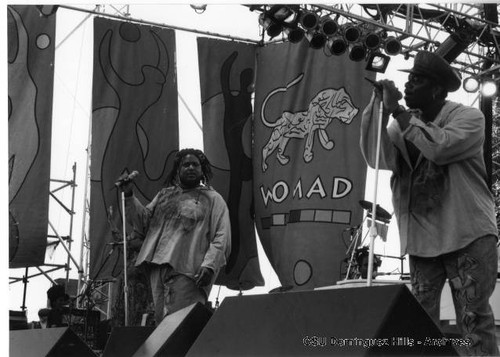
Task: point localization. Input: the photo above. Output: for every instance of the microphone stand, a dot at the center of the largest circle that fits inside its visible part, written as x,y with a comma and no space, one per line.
125,282
373,228
89,287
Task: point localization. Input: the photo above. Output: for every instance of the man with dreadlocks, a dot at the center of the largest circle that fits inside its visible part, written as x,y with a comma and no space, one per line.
186,231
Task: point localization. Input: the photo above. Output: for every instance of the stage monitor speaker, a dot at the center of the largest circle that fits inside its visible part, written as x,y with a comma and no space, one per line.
176,333
124,341
50,342
367,321
18,320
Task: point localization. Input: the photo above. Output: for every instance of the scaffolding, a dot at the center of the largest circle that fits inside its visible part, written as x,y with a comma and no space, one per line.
54,240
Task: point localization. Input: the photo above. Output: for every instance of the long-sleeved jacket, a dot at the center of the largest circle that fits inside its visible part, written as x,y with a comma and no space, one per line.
442,202
186,228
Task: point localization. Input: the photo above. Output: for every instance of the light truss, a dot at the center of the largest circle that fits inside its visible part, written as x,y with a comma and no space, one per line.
426,26
417,26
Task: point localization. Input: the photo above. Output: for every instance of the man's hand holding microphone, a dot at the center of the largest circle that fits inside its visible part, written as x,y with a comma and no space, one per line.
386,91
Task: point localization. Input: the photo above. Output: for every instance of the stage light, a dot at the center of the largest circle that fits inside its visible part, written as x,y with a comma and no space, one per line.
316,39
377,62
294,35
471,84
277,17
271,27
488,88
282,14
328,26
372,41
274,30
352,33
337,45
357,52
392,46
309,20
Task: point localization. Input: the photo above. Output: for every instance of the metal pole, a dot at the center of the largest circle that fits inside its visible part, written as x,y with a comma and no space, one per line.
81,272
64,246
108,307
125,283
25,282
152,23
46,275
16,280
373,228
71,219
353,245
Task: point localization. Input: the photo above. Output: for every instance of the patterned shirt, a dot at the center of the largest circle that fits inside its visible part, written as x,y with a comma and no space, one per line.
185,228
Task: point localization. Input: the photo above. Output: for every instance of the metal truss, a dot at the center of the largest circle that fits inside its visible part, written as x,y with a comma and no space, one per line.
55,240
427,26
116,10
416,26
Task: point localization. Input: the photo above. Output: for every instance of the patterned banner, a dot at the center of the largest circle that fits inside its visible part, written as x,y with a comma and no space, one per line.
308,170
31,35
226,79
134,128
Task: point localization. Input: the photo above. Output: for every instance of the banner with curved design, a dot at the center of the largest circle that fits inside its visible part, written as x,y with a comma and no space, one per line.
309,174
226,81
31,46
134,128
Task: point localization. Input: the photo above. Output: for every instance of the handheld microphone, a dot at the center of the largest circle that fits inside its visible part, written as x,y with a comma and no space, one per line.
126,178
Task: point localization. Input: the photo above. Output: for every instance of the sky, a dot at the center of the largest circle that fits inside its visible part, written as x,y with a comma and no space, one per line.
72,113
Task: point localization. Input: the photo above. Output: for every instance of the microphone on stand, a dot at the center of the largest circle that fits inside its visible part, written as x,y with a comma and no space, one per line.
380,88
126,178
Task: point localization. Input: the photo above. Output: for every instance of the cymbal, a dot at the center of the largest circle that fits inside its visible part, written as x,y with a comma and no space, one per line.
380,213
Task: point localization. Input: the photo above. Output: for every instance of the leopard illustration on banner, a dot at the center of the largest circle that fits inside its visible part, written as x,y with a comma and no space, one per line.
327,105
307,191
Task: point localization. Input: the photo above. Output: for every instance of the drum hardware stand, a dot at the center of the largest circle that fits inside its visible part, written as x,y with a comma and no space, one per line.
352,248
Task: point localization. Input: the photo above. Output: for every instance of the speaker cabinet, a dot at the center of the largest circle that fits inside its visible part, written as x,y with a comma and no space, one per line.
378,320
50,342
176,333
17,320
124,341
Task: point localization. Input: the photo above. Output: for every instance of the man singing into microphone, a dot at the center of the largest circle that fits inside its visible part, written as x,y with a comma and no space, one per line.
444,208
186,231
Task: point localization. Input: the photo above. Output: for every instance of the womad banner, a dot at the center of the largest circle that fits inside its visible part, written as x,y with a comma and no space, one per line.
308,170
226,80
134,128
31,46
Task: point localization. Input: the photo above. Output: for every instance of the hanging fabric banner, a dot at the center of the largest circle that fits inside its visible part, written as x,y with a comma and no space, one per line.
226,81
134,128
308,170
31,36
